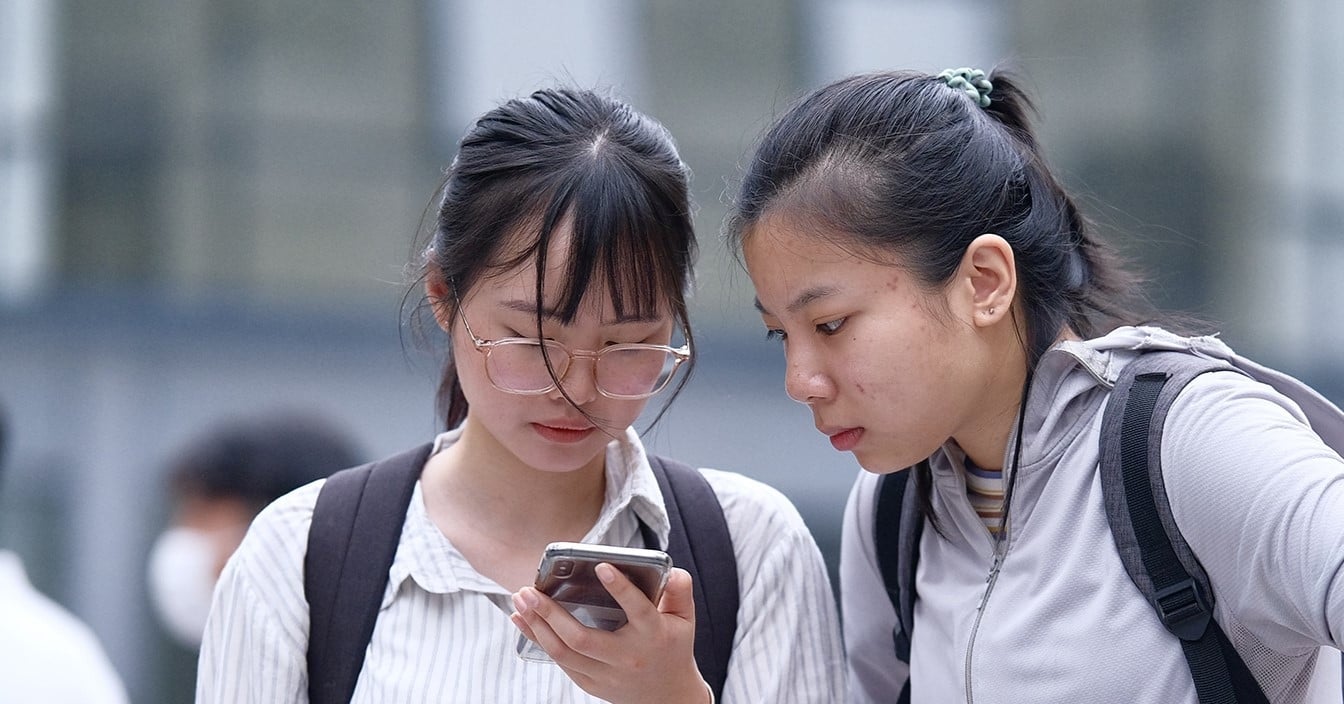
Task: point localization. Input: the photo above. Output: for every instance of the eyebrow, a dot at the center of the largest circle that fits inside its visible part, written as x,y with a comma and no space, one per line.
802,300
530,307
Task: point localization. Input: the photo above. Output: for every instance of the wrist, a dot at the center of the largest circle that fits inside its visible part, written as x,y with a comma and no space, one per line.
697,691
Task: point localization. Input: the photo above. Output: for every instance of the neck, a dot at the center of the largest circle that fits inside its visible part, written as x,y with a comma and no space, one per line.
984,437
486,489
985,440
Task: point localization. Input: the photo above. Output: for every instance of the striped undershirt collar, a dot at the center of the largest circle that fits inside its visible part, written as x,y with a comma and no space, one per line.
984,488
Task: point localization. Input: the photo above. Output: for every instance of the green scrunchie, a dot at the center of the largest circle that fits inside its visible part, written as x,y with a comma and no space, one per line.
971,80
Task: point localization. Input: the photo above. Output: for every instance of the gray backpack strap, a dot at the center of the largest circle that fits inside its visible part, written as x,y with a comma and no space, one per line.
1151,546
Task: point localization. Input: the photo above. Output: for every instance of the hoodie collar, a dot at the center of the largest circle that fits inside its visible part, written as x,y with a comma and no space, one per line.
1069,388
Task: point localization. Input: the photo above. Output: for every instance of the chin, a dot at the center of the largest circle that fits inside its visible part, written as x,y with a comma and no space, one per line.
881,468
880,465
565,459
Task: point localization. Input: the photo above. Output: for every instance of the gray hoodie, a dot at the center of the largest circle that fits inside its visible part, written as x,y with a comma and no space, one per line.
1254,485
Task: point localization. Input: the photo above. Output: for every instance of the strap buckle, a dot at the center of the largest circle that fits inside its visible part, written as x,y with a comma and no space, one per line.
1183,609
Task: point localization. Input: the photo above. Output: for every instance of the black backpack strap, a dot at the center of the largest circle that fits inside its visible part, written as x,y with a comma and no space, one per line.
344,579
897,527
1154,553
699,543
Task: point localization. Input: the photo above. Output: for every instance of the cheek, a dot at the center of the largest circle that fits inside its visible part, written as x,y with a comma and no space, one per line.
617,416
905,392
470,367
878,381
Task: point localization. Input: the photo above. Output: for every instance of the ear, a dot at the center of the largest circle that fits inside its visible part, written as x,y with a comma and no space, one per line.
440,299
987,279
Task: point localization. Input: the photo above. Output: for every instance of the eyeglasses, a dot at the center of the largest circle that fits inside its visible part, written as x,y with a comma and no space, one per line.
626,371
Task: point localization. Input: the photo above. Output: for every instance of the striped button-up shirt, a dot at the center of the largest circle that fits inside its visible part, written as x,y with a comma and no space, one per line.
444,635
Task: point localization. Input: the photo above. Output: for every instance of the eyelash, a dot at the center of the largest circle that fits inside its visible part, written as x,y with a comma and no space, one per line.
831,327
828,328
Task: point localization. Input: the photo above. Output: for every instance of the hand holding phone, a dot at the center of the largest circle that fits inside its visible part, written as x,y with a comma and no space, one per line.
567,575
654,652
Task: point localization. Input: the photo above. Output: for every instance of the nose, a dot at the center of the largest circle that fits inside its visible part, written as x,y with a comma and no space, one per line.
806,381
580,381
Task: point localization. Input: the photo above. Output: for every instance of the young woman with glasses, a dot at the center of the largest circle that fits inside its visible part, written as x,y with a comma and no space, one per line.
557,268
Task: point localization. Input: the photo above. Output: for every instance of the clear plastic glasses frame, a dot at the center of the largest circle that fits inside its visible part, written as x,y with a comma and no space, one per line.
517,365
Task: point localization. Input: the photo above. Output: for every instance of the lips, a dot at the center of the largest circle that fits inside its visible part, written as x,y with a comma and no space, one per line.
843,439
563,432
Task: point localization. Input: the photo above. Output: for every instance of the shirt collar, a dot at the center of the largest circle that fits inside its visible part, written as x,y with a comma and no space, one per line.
631,488
426,556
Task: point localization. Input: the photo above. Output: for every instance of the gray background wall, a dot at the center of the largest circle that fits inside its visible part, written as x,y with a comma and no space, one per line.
206,207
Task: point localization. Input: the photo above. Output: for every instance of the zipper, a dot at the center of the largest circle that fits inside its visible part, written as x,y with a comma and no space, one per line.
1000,550
1001,541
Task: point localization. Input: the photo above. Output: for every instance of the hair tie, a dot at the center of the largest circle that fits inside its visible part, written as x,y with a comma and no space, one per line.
971,80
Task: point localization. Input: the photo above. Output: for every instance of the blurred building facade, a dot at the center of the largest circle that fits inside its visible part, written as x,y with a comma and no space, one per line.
208,208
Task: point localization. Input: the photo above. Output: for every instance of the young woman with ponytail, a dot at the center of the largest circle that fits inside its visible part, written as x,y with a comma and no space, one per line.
943,306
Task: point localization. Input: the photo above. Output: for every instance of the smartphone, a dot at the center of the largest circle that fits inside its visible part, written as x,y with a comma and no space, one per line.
567,575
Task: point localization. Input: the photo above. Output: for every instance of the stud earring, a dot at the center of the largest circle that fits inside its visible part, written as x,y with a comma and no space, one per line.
989,312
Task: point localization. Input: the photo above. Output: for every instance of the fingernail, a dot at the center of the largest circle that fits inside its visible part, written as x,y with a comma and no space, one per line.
606,573
518,604
530,597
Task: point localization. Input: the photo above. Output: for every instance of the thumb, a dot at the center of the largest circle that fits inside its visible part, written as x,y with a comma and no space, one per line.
678,596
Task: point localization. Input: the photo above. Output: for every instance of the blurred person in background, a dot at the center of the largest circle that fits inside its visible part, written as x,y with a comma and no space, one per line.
217,483
949,316
46,654
558,269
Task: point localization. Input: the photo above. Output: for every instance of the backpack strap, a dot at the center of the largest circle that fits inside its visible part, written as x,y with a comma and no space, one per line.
898,525
699,542
1154,553
343,578
346,576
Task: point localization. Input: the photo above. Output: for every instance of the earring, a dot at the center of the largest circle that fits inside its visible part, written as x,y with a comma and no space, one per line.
989,312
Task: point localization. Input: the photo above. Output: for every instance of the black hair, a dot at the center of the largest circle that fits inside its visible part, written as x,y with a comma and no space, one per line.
566,156
904,164
899,163
260,459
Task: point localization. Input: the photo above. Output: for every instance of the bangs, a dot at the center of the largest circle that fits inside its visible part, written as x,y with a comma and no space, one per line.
624,232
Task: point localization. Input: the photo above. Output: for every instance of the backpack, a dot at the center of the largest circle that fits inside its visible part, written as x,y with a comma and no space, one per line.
357,525
1155,555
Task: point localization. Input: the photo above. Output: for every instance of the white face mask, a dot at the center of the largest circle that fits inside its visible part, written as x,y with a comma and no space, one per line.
181,582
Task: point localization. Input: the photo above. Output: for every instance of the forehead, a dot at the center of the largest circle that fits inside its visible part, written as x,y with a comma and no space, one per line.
775,239
517,284
793,265
515,262
782,241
